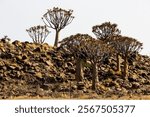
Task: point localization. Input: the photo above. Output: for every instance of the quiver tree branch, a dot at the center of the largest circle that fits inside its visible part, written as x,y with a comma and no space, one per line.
38,33
73,45
57,19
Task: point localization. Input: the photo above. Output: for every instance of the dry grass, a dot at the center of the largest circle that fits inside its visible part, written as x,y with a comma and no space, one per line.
64,96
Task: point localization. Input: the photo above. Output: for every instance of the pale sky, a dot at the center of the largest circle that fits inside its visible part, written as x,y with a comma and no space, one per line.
132,17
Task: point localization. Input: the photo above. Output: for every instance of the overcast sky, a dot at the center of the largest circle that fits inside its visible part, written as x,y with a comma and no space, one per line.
132,17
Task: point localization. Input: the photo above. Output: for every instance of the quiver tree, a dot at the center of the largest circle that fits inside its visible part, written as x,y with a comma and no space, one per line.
57,19
96,51
105,32
38,33
126,46
73,45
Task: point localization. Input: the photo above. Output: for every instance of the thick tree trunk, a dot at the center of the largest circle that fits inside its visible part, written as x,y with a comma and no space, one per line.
79,70
94,75
118,63
125,71
56,39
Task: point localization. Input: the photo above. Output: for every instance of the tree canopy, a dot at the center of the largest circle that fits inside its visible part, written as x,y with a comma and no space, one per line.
105,30
38,33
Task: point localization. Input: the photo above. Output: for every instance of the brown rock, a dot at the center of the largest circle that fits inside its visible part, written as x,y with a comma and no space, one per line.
50,79
69,64
31,71
1,77
80,85
38,49
17,43
49,63
133,77
24,57
12,66
2,63
44,87
127,85
19,57
143,73
38,75
71,70
135,85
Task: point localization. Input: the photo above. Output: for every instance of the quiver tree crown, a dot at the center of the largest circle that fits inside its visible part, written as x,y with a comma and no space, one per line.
96,50
105,31
126,45
38,33
57,19
75,44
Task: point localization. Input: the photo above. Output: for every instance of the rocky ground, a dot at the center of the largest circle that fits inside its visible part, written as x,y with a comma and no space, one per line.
29,71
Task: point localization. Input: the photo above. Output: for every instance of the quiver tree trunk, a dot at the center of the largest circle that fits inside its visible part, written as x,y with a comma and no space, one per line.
79,70
118,63
56,38
125,69
94,75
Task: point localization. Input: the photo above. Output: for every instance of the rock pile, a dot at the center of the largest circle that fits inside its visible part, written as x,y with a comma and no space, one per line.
25,67
28,69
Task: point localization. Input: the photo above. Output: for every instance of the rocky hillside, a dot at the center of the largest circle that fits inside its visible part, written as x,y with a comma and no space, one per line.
32,70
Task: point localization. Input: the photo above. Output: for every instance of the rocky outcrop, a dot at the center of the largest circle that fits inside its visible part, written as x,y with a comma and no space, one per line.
28,69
